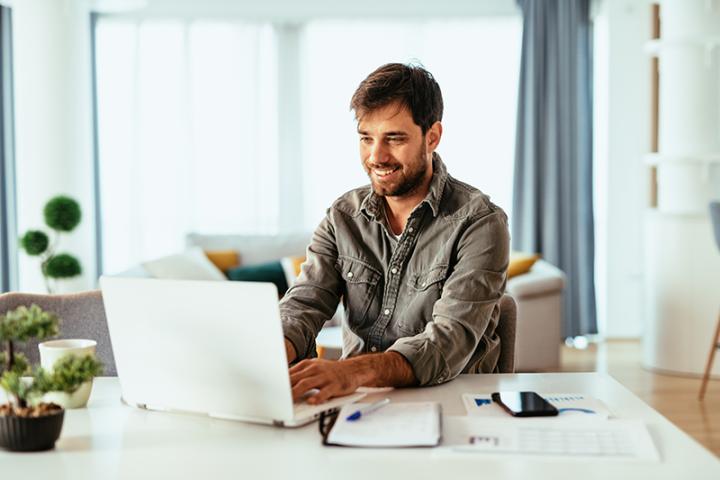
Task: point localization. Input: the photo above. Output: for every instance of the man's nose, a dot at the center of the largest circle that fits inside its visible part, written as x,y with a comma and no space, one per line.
378,153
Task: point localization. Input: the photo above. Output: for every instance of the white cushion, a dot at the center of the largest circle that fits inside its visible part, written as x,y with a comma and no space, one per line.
189,265
254,249
135,272
543,279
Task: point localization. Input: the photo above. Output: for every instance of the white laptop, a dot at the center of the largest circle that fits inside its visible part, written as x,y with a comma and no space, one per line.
214,348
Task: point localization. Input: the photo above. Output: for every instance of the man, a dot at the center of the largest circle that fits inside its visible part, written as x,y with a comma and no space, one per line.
419,259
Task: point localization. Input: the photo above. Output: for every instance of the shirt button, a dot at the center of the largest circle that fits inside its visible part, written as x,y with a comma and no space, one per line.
394,270
411,229
387,311
350,274
373,349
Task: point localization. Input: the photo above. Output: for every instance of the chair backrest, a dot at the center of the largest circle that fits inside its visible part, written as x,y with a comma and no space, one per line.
82,315
715,217
506,331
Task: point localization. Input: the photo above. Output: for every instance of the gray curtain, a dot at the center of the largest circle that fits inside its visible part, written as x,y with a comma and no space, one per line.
8,230
553,187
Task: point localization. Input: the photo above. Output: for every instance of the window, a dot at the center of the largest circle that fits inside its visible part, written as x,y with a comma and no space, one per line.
476,63
233,127
186,125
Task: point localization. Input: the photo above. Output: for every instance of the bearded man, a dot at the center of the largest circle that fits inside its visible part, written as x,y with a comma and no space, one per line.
418,258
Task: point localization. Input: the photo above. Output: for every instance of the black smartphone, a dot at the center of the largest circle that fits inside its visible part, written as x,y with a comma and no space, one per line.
524,404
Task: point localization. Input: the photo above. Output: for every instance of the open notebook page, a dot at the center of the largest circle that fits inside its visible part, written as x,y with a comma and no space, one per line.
394,425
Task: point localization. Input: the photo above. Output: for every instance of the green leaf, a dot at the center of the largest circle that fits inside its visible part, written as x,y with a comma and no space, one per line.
62,213
21,365
12,383
25,323
63,266
34,242
69,373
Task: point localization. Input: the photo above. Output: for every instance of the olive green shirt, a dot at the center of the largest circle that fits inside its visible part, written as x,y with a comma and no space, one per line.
433,295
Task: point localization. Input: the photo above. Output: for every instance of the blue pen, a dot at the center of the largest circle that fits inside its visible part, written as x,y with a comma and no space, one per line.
370,408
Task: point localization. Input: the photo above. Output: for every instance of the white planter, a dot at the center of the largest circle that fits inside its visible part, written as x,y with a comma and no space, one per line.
54,350
77,399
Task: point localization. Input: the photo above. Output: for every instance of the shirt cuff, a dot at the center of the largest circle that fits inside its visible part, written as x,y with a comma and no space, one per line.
427,362
298,339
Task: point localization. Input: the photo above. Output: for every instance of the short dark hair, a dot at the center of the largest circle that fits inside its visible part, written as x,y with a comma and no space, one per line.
411,85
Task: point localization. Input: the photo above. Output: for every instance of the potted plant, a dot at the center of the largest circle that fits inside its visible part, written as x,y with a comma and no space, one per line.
26,422
62,214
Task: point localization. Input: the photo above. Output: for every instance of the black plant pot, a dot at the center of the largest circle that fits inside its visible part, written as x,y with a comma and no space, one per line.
30,434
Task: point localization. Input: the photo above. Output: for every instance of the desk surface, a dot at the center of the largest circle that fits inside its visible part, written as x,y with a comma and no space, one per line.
109,440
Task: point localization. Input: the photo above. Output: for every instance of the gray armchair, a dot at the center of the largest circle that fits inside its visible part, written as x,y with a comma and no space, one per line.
506,331
82,315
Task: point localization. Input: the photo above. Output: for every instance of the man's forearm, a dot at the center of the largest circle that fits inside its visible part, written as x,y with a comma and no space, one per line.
388,369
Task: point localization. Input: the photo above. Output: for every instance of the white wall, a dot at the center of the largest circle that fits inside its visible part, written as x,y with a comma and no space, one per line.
51,42
622,126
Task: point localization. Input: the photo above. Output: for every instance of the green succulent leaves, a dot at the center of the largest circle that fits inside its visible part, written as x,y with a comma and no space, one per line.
62,213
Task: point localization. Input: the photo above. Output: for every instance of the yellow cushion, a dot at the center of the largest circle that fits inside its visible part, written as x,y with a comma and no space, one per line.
521,263
223,259
296,262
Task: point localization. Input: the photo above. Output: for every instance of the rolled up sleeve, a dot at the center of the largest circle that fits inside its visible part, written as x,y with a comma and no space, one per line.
315,296
464,312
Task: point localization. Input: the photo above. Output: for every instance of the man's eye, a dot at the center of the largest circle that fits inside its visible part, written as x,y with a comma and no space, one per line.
395,139
365,139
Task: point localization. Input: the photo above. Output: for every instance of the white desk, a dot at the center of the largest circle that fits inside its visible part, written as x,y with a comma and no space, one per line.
109,440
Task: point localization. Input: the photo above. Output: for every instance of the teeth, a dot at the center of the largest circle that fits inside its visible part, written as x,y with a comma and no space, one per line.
383,173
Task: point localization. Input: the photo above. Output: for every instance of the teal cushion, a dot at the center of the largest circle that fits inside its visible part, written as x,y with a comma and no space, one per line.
265,272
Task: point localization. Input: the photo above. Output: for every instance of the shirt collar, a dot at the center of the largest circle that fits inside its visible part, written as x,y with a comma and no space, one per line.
372,204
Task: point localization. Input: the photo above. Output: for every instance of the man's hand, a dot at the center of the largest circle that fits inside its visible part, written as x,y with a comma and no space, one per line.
343,377
331,378
290,351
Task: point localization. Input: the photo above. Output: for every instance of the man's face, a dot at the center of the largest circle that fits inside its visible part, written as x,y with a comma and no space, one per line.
393,151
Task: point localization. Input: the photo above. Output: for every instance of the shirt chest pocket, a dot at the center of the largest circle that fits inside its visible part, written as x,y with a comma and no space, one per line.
429,280
361,284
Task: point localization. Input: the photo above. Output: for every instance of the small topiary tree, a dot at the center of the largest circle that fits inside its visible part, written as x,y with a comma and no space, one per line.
68,374
62,214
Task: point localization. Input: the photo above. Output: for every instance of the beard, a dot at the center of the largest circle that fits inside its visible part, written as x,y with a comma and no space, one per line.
408,177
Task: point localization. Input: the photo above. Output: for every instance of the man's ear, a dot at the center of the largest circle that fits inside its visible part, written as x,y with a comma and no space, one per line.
432,137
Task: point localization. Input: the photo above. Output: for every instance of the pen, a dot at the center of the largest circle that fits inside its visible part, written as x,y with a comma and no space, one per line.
370,408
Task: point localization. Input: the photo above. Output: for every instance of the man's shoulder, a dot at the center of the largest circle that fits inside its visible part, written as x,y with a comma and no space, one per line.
462,200
351,202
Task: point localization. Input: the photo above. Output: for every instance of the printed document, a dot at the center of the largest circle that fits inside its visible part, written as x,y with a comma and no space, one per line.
614,439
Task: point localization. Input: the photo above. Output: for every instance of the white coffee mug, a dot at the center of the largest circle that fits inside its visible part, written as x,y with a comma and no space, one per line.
52,351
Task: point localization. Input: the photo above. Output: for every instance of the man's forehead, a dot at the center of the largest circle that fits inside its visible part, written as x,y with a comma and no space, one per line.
393,117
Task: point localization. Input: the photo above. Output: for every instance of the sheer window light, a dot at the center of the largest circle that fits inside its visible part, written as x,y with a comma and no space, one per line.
476,62
187,134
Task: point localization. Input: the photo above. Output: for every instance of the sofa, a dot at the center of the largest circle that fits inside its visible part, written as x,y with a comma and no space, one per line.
538,294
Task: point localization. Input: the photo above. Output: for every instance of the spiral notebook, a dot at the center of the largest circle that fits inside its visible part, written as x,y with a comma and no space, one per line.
394,425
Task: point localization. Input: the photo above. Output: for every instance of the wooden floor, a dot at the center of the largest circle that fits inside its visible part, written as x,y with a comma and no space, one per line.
673,396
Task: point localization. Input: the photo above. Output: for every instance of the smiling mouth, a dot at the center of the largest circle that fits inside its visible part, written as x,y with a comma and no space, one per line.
384,172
